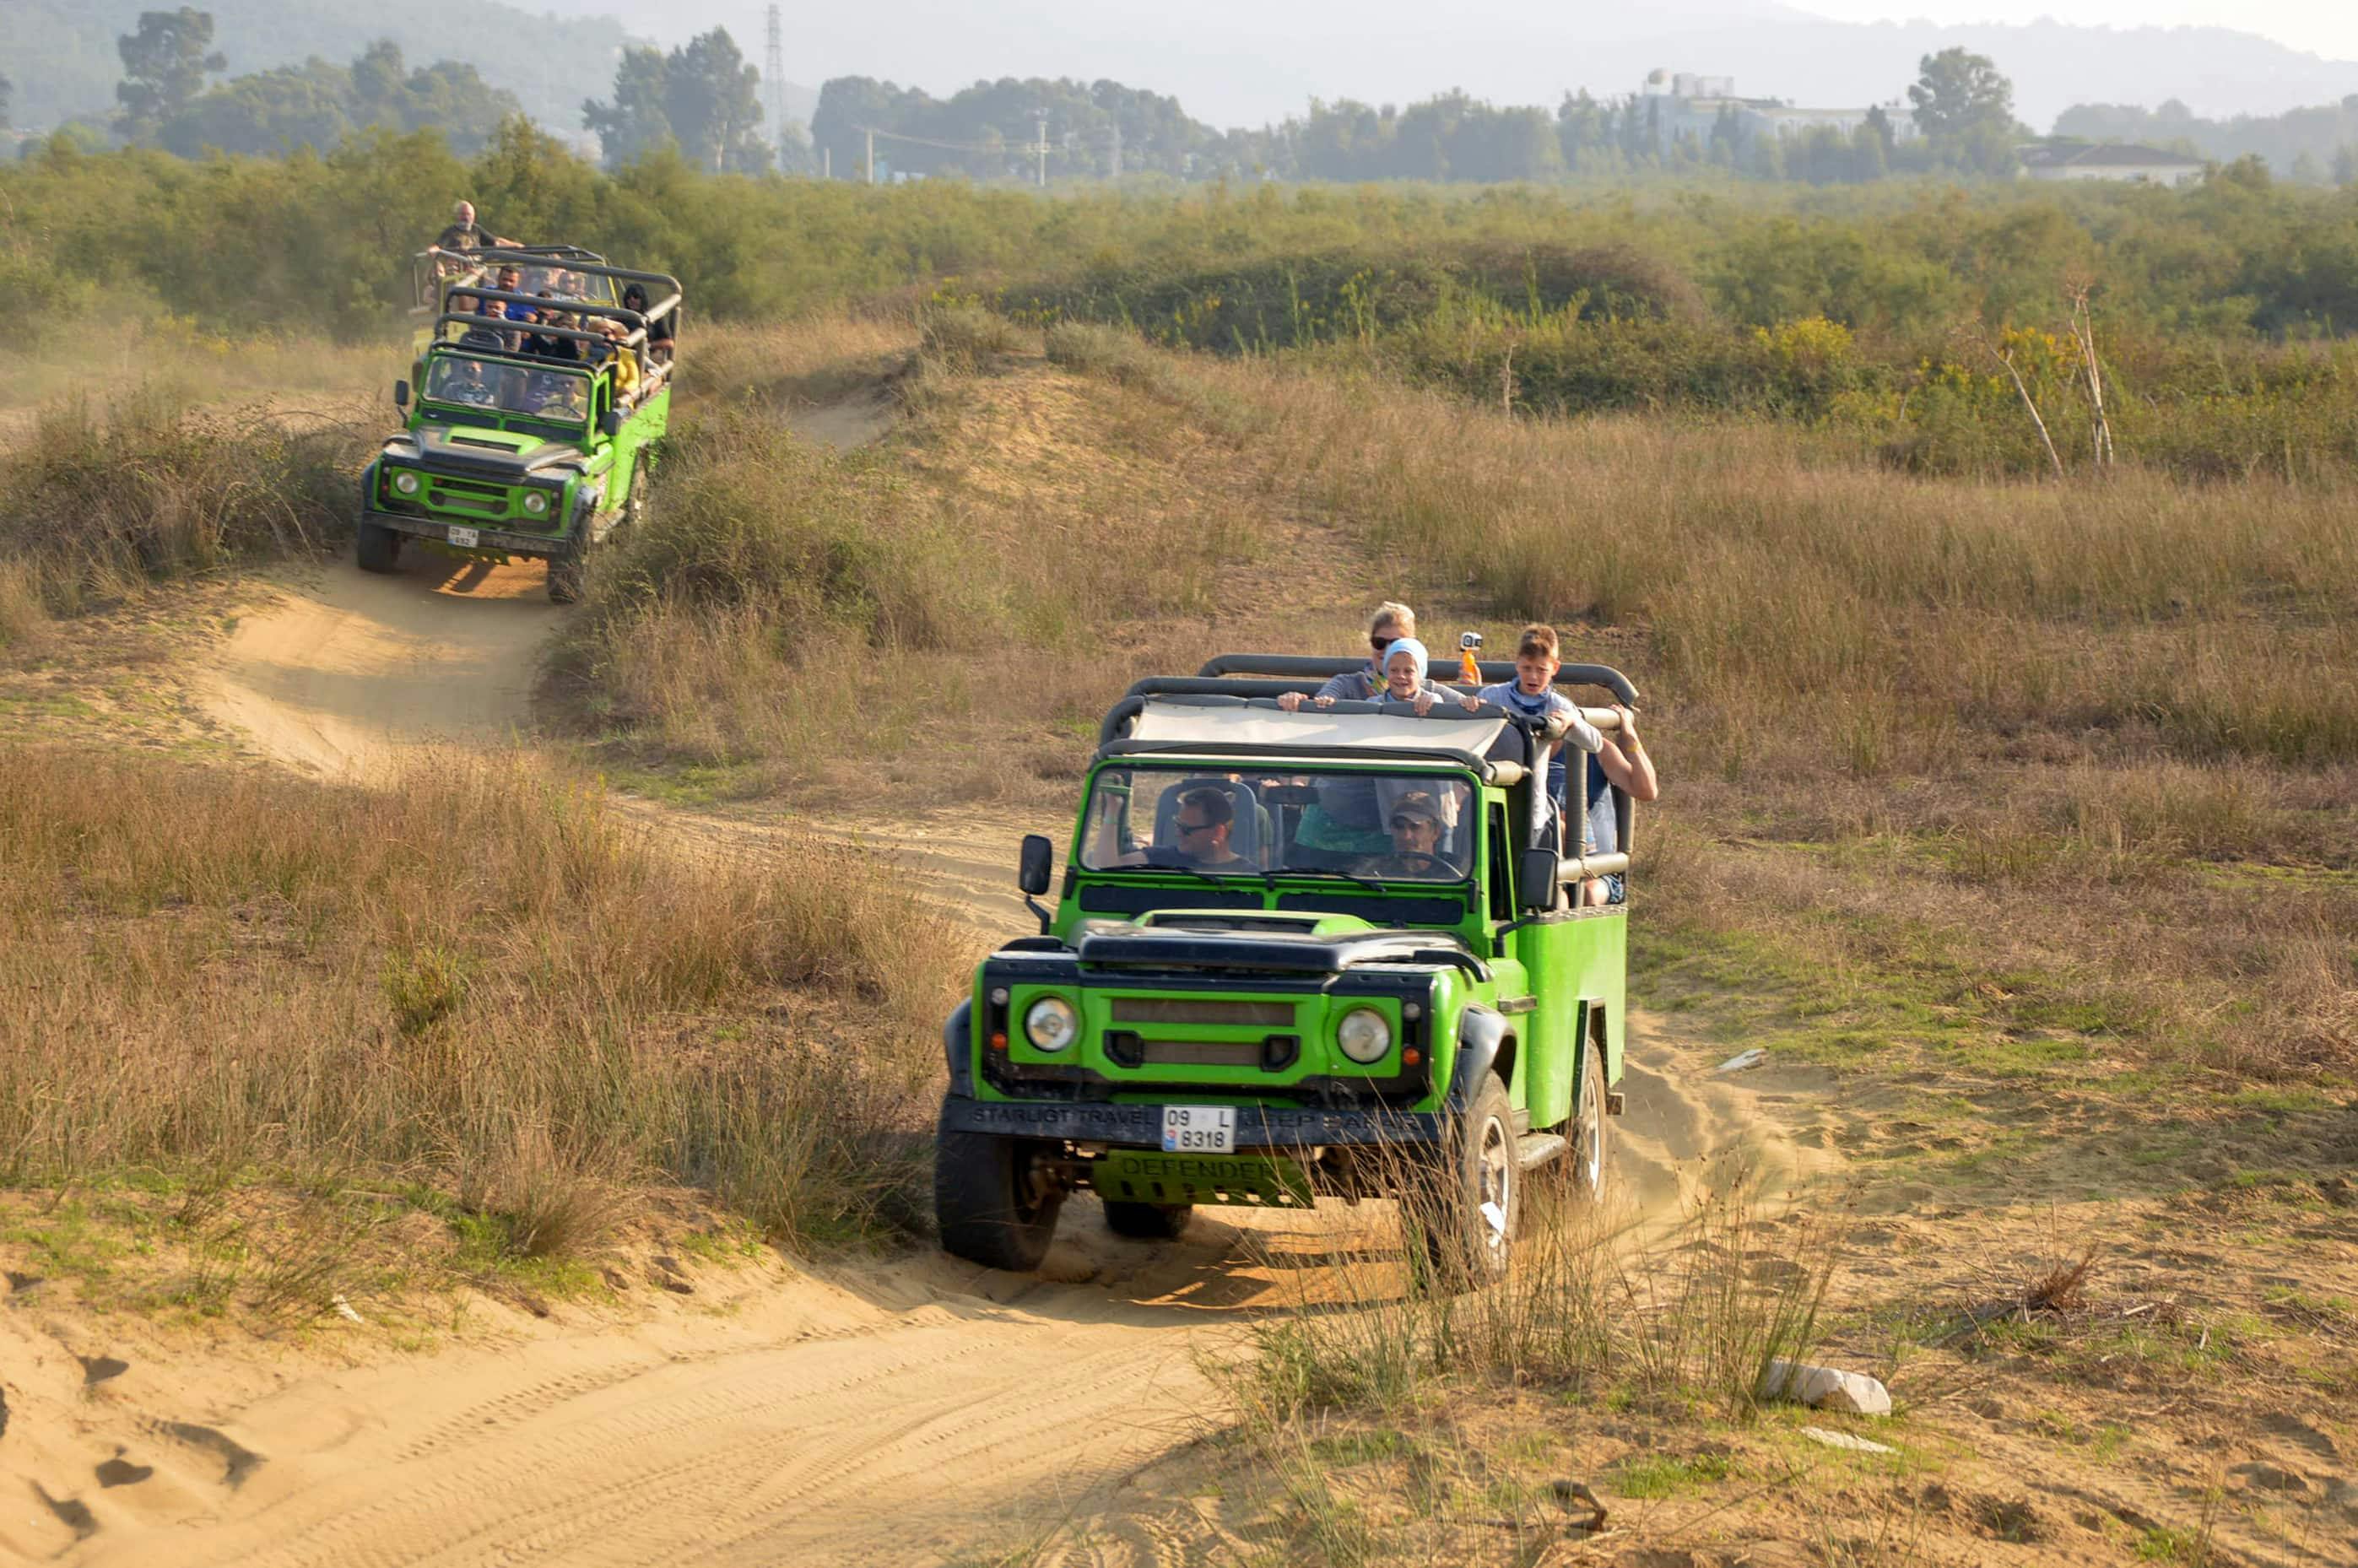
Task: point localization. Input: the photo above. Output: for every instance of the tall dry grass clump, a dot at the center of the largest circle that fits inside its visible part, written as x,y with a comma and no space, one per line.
475,978
94,501
1696,1312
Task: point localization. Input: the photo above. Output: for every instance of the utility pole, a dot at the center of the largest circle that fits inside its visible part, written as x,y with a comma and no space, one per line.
1041,146
1114,164
773,70
871,155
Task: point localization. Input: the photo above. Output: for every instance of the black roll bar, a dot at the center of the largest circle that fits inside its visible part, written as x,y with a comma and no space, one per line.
1264,693
1303,667
633,339
595,269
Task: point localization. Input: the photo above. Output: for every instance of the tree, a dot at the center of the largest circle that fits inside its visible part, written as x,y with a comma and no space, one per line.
165,64
1958,93
316,105
6,88
703,98
2346,165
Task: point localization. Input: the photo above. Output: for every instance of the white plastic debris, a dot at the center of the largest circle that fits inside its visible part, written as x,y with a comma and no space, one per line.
1844,1440
344,1309
1825,1388
1742,1060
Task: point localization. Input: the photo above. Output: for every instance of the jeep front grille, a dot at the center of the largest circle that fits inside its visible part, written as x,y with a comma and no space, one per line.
1205,1010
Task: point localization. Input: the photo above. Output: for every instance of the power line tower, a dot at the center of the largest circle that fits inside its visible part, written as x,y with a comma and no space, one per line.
1040,147
1114,163
773,78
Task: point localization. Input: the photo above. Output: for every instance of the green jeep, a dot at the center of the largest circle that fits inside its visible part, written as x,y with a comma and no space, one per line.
514,449
1326,952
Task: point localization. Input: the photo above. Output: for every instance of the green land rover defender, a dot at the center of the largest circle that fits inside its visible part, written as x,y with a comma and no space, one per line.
526,438
1296,953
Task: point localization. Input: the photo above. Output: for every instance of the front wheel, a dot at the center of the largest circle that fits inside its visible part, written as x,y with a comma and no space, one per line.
989,1204
1589,1160
1147,1221
376,547
1469,1227
566,574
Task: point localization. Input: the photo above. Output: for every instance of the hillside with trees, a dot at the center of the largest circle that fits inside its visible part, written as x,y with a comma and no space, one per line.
2312,144
62,54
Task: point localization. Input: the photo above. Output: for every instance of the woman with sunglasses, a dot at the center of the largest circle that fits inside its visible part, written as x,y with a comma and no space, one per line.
1390,623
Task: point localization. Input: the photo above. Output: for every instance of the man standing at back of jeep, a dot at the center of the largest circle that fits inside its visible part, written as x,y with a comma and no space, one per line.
465,234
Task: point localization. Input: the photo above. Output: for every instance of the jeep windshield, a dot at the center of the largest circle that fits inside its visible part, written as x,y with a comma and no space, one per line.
551,395
1255,821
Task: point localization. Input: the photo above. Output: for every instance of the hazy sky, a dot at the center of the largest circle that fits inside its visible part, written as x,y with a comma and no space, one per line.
2328,28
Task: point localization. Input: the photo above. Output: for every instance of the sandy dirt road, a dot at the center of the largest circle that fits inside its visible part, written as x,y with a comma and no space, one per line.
901,1413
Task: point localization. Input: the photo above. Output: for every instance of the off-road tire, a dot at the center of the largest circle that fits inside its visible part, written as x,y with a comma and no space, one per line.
566,570
979,1207
376,547
1147,1221
1587,1160
1467,1247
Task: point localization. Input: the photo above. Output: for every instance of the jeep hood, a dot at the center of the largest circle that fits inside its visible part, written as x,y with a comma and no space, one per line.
1233,940
509,455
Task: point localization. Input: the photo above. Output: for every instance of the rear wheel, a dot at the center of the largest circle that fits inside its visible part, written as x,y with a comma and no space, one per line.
1469,1227
376,547
1147,1221
1588,1161
991,1206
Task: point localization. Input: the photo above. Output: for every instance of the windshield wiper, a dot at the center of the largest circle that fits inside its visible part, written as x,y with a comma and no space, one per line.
1329,872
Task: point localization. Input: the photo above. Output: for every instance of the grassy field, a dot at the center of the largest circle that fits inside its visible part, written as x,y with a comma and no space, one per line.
2020,813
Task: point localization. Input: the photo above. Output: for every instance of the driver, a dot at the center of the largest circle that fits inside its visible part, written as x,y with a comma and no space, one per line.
1416,826
560,397
463,383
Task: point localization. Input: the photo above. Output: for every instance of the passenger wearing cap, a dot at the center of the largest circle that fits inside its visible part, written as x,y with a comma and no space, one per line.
1417,830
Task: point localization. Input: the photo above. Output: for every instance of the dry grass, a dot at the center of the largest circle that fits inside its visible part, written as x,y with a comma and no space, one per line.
240,973
96,503
1890,710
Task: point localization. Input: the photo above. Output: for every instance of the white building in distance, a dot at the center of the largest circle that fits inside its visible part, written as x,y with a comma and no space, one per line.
1691,104
2139,166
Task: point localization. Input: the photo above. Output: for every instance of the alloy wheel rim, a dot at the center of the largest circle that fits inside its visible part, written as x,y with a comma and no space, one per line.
1498,1186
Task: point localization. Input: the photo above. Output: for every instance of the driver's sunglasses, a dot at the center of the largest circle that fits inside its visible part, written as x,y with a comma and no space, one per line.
1196,826
1403,824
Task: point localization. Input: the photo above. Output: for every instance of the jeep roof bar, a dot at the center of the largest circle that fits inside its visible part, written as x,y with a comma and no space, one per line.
1245,692
1297,754
632,338
598,268
621,313
1307,666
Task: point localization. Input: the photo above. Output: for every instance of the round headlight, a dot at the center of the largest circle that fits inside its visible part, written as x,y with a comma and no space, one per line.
1364,1035
1051,1024
536,502
405,482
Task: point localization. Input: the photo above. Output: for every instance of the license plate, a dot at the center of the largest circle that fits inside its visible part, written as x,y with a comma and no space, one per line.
464,538
1199,1129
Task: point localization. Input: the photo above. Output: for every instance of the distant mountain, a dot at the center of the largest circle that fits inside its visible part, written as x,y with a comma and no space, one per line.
1235,62
60,53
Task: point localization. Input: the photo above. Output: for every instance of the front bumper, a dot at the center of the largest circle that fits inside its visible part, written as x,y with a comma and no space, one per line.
486,536
1272,1127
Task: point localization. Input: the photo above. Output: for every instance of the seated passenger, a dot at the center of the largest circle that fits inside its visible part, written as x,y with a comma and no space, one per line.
1415,821
553,346
659,344
1389,625
1200,833
625,358
1621,763
1404,677
1531,694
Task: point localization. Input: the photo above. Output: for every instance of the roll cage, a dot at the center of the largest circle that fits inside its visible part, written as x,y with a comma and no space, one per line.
1255,681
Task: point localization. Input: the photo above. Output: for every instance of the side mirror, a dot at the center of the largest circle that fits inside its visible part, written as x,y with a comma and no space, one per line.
1033,869
1535,880
401,395
611,425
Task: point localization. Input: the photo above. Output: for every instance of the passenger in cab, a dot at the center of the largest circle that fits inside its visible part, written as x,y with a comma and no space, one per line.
1389,625
1199,839
659,344
624,358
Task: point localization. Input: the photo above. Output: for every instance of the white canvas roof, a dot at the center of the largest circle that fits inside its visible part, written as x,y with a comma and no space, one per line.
1230,721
